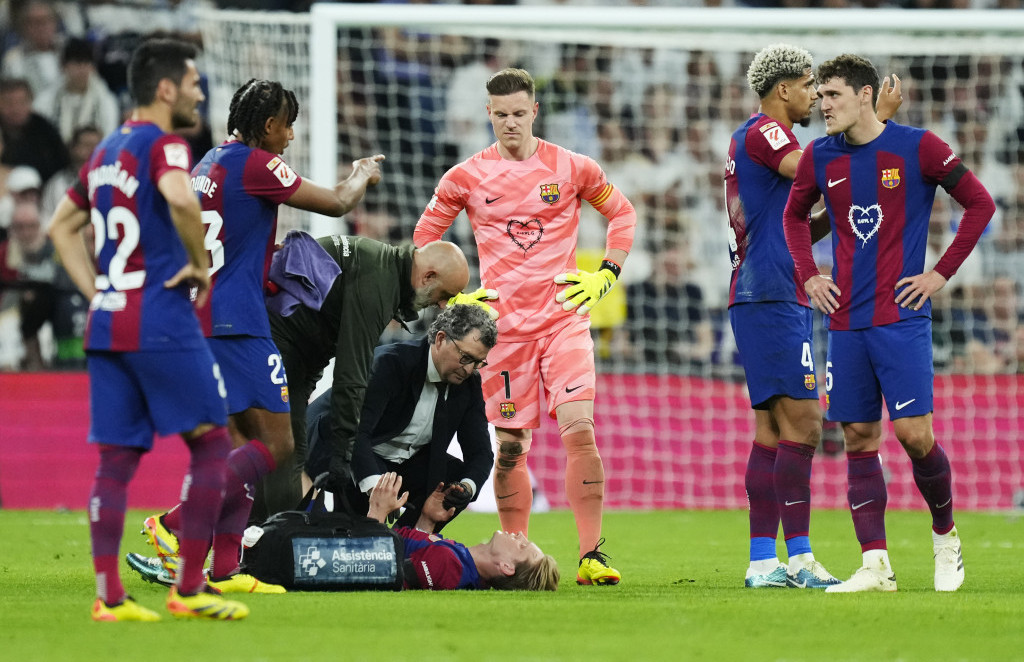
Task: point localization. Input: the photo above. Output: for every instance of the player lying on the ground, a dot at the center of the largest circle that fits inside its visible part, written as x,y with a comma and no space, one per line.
508,561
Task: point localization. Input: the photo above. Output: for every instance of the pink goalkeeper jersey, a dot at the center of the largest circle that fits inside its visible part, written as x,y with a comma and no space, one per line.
525,217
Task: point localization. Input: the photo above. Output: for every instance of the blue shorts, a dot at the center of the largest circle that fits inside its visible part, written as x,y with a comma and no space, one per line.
892,361
776,346
133,395
253,373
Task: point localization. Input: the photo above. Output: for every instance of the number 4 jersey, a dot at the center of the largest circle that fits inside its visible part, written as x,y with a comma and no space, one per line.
240,189
137,247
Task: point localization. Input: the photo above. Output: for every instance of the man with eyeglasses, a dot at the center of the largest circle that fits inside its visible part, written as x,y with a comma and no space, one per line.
420,395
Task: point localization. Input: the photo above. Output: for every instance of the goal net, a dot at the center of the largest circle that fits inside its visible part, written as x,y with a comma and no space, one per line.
654,94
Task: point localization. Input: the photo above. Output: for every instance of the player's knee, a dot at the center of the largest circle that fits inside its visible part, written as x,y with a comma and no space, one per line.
578,436
510,455
917,442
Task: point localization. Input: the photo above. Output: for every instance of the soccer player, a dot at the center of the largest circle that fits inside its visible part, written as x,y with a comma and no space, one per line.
771,317
507,561
241,183
523,197
878,182
150,369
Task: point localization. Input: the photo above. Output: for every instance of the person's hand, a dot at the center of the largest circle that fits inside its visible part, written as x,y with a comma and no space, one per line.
384,497
434,510
477,298
586,289
368,167
457,496
889,98
340,477
823,293
919,288
194,277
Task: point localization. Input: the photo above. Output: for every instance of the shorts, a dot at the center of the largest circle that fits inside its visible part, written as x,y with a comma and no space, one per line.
892,361
253,373
776,346
563,363
133,395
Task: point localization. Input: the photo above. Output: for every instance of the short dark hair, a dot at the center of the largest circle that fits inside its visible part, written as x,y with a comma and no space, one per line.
155,60
80,131
14,84
77,49
854,69
510,81
459,320
256,102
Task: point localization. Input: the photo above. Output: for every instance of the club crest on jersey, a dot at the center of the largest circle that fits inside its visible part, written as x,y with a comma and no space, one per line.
809,382
526,234
549,193
507,409
890,177
284,393
865,221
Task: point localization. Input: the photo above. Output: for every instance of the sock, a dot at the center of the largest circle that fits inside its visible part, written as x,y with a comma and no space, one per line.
934,480
877,558
797,561
172,519
107,504
512,489
867,497
584,481
201,496
793,494
764,511
246,465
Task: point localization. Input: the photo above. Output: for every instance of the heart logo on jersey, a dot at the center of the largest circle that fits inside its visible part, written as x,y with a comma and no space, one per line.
525,235
865,221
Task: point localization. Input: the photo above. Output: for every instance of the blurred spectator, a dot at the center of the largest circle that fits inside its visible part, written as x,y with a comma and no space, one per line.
83,142
82,97
27,271
668,321
22,184
36,56
469,129
29,138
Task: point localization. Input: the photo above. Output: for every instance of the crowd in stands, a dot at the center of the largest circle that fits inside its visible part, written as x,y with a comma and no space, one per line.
658,120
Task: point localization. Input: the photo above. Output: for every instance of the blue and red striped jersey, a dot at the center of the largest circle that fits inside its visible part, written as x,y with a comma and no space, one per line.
755,197
137,247
240,189
879,199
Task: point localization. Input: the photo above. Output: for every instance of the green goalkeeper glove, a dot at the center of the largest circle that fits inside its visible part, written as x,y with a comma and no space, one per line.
477,299
587,288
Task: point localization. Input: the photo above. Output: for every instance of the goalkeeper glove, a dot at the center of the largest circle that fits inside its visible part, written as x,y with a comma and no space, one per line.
477,299
587,288
456,495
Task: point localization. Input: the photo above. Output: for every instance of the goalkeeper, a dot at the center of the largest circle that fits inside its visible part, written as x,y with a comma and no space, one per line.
523,196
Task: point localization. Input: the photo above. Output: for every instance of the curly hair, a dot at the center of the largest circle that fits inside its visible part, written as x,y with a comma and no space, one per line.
777,63
457,321
854,69
254,103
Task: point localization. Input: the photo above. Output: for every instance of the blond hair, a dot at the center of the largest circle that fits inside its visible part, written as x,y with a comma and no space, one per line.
777,63
541,576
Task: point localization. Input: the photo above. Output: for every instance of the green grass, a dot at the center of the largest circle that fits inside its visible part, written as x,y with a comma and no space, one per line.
681,599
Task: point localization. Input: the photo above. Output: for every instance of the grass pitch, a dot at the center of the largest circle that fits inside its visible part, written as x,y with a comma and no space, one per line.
681,599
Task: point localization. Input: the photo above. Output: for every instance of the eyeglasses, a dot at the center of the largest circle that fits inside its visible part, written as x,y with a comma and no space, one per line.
466,359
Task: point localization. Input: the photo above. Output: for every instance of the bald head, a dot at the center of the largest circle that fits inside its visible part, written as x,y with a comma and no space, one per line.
439,272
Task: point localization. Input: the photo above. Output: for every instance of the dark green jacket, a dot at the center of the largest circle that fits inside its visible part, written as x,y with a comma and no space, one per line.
375,286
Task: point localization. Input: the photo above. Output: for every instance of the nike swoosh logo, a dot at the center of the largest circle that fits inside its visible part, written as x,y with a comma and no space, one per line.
861,505
490,200
793,503
592,482
802,584
834,183
574,388
901,405
497,496
943,505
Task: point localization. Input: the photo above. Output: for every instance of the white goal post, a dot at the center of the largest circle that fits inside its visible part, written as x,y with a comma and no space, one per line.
653,94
